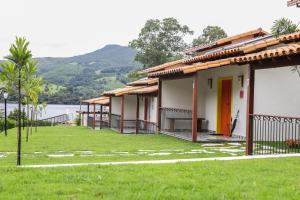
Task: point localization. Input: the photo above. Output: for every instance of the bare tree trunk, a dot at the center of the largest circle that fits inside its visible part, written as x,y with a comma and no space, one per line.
27,125
36,119
31,121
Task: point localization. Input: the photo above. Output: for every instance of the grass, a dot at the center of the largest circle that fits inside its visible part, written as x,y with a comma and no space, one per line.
86,145
246,179
243,179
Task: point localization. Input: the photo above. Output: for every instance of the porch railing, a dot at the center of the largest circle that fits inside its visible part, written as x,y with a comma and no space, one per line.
59,119
275,134
147,127
90,121
103,124
115,121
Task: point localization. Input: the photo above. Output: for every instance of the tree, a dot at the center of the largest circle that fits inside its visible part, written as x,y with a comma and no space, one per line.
283,26
210,34
160,41
19,55
134,75
32,88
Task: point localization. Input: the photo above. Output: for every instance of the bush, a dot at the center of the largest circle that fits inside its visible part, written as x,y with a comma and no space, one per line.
78,120
14,115
9,124
293,143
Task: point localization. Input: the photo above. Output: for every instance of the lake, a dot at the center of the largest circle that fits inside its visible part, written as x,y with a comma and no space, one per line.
52,110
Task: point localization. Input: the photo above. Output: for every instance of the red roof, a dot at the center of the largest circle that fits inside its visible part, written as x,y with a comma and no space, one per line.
294,3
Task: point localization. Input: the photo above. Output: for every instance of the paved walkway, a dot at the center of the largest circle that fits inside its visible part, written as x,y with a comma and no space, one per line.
164,161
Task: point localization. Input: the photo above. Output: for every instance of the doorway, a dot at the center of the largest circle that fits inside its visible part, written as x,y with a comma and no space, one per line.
224,106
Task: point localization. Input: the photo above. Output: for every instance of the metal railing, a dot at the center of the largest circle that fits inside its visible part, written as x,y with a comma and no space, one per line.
102,124
147,127
275,134
90,121
129,126
115,121
59,119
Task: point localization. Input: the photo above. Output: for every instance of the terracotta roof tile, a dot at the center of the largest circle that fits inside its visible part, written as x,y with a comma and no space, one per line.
206,57
223,41
273,53
186,65
280,51
99,100
252,47
145,90
293,3
145,81
120,91
162,66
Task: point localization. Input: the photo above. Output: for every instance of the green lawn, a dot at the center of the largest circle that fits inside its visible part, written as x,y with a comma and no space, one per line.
79,144
243,179
246,179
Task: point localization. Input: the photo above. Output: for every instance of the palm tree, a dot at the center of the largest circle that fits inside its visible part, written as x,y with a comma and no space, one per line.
19,55
32,87
283,26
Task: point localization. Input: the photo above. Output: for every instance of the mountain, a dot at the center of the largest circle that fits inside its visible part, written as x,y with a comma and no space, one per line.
85,76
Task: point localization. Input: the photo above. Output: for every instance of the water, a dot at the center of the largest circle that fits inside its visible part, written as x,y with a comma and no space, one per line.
52,110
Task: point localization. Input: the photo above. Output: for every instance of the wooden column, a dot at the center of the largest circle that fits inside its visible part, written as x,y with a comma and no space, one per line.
101,111
195,107
88,109
159,106
137,115
250,109
145,112
122,114
94,117
109,114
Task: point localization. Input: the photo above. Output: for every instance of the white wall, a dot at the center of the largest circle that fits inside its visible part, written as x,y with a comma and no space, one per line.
129,107
177,93
141,106
277,92
211,96
116,105
152,109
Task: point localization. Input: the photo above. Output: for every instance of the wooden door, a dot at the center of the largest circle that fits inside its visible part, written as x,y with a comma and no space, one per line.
225,117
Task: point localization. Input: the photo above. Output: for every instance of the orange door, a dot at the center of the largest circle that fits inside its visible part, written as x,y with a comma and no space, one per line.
225,120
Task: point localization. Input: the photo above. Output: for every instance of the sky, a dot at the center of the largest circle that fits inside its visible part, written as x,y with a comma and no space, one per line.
60,28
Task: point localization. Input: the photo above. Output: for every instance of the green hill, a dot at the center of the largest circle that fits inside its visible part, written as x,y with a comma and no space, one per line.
86,76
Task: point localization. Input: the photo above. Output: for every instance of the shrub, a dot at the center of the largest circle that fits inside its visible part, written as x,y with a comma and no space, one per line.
78,120
9,124
293,143
14,115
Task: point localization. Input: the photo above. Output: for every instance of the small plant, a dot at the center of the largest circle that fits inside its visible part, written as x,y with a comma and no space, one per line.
293,143
14,115
78,120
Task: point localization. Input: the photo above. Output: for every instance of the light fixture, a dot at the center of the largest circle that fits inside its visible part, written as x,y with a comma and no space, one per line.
209,82
241,80
5,95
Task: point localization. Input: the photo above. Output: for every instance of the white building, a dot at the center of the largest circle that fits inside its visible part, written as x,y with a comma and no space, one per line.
246,77
133,108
